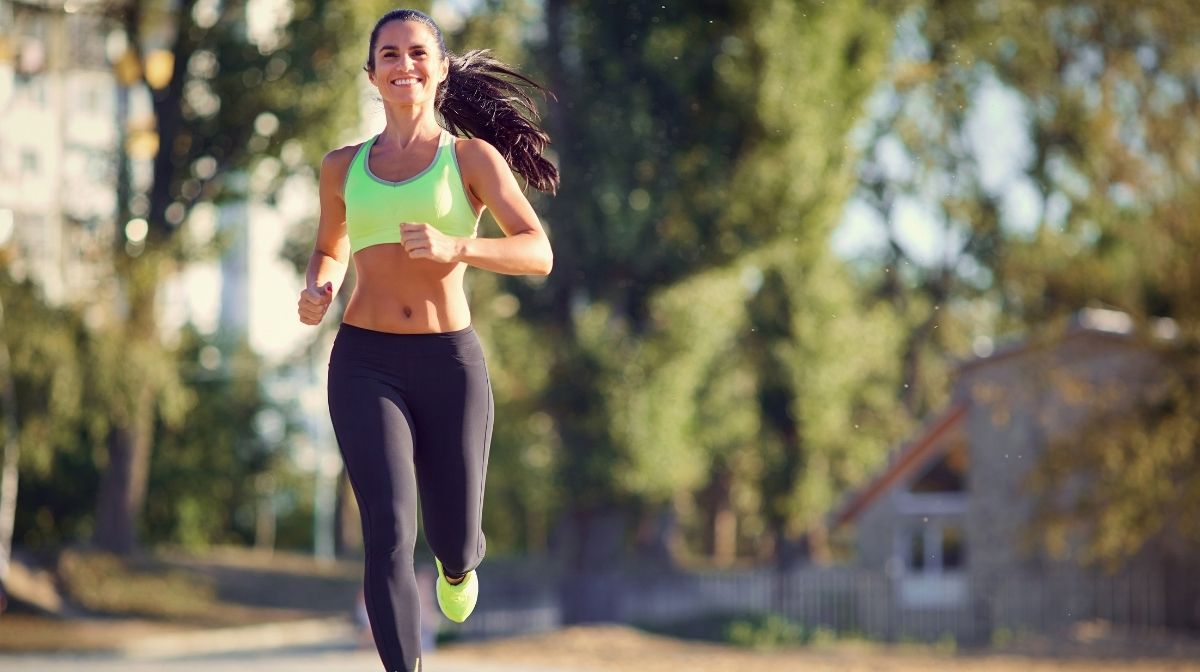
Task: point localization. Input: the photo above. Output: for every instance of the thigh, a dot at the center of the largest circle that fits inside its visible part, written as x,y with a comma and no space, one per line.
452,416
373,426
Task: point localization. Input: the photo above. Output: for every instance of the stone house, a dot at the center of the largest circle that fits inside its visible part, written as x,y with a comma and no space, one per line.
947,520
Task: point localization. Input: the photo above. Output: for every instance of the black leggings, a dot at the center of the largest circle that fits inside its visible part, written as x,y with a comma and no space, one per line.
412,414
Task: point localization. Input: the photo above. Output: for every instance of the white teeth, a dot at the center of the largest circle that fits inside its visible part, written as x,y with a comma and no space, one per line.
404,82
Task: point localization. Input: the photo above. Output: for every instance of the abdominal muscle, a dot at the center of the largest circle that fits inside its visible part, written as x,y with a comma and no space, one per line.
397,294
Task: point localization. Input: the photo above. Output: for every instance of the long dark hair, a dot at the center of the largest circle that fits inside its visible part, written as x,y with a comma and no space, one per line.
484,98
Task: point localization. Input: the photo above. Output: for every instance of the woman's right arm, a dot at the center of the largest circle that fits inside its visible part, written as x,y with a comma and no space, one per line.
331,251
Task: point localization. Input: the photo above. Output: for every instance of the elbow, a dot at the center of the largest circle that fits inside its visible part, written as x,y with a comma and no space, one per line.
547,263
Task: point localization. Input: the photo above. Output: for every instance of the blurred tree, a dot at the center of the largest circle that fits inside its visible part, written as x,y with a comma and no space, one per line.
229,102
940,226
207,471
45,369
699,145
9,462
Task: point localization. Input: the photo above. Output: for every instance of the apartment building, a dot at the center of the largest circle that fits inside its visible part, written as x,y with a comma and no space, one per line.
58,134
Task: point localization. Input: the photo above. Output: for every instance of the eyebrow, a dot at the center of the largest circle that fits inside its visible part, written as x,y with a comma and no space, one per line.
415,45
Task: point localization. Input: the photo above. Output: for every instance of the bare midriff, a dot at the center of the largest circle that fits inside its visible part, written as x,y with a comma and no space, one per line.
396,294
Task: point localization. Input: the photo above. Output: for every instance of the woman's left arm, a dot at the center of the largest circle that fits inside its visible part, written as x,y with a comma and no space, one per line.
525,249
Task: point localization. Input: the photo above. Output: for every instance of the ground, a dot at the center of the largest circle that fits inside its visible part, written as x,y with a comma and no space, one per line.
620,649
285,592
606,648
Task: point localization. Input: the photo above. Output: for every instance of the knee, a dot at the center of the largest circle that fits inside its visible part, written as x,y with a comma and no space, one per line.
389,537
459,558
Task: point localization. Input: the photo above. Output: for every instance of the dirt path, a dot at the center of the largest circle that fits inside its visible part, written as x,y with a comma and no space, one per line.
619,649
623,649
20,633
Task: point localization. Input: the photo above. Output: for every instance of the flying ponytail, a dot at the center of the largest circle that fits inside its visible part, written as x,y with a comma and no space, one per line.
485,98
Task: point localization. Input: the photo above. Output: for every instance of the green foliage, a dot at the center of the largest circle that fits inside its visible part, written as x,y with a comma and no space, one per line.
1142,470
207,466
669,438
47,371
839,367
295,506
254,104
68,377
724,356
768,632
498,25
764,631
522,495
105,583
587,388
704,153
48,359
118,376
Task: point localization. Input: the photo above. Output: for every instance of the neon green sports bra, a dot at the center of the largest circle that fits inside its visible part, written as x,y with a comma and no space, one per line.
375,207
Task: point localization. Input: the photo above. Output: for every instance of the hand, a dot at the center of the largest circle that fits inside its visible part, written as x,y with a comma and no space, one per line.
314,302
422,241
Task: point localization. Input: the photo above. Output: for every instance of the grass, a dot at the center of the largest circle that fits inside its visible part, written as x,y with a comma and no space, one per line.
621,649
110,599
224,587
105,584
756,631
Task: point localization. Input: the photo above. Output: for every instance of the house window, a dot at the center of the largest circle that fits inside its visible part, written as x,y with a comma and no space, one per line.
953,548
934,555
933,548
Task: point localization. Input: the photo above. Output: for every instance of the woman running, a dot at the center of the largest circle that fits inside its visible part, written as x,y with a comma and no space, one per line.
408,390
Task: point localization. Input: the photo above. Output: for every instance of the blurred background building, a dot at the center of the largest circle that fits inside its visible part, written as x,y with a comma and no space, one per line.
58,134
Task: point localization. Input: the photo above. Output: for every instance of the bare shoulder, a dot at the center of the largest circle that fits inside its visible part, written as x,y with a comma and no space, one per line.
337,162
476,155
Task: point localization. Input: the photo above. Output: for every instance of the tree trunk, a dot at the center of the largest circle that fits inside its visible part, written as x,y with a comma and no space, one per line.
264,524
817,541
561,124
790,550
123,484
115,528
656,537
724,536
722,521
12,451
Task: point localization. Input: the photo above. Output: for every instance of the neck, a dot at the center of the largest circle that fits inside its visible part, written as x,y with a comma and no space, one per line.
409,124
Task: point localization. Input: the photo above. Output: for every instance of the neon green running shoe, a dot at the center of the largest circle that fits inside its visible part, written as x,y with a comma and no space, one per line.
457,601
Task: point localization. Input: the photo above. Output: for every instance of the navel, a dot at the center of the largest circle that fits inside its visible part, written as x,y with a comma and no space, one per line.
407,311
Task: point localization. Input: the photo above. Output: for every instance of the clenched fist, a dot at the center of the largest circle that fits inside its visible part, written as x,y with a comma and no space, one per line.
422,241
314,302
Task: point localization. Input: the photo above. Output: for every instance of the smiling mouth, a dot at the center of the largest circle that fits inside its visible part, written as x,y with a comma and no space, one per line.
405,81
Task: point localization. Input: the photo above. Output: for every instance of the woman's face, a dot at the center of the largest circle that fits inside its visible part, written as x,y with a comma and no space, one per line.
408,64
